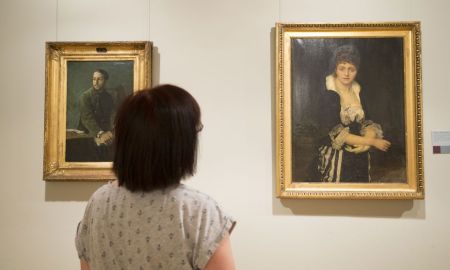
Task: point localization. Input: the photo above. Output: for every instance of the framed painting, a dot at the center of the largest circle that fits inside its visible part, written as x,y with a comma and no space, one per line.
85,84
349,111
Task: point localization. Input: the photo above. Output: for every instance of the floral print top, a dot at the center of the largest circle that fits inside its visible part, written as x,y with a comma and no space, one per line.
175,228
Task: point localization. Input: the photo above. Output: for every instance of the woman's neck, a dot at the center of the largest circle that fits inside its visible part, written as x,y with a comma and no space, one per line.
344,88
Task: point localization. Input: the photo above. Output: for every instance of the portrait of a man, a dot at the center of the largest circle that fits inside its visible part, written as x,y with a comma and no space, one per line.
92,102
85,84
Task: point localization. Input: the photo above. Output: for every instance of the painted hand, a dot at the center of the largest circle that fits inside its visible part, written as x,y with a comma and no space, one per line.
106,137
381,144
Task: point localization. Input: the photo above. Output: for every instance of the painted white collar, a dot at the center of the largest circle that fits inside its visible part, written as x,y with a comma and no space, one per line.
331,85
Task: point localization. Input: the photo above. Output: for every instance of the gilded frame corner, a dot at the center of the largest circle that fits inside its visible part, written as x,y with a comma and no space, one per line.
291,94
137,55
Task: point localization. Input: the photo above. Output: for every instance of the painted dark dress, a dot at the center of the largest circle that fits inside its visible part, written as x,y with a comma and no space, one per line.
333,162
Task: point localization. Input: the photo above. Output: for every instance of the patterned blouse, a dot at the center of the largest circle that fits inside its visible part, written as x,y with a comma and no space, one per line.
175,228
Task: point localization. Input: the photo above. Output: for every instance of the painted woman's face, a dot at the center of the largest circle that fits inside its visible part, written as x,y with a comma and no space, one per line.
346,73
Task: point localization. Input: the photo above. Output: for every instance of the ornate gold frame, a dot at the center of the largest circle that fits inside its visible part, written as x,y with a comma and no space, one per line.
57,56
413,188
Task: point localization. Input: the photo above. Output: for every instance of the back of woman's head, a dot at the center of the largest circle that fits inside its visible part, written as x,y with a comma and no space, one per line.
156,137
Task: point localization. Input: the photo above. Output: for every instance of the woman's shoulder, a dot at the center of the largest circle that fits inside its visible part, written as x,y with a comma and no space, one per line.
104,192
189,193
328,94
329,101
329,88
196,200
99,198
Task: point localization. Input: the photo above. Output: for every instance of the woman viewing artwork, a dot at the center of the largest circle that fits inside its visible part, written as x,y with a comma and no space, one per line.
148,219
343,154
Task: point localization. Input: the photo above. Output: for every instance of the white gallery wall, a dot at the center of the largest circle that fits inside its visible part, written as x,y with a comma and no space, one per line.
222,52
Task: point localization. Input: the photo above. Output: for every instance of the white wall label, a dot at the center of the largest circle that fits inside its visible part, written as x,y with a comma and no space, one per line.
441,142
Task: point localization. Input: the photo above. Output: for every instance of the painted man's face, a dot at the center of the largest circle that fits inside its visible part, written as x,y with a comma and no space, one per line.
98,81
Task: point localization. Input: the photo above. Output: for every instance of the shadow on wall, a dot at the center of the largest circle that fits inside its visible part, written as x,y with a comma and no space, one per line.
156,64
82,191
354,208
70,191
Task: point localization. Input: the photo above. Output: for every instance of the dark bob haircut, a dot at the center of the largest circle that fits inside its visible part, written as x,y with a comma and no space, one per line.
156,137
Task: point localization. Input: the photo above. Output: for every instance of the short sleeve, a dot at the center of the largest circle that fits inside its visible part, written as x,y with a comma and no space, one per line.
215,225
82,234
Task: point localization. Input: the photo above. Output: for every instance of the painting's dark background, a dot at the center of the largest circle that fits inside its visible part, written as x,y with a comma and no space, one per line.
382,82
79,79
82,148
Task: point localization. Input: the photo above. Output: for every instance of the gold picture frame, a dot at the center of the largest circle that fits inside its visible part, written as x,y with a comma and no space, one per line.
77,116
318,111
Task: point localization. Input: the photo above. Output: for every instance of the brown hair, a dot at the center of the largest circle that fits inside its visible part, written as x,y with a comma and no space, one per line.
103,72
156,137
345,53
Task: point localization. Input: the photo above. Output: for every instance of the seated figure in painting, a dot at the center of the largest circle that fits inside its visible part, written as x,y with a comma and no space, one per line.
97,106
343,154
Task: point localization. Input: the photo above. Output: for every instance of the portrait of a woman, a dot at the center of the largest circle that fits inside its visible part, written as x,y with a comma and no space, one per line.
343,151
345,113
